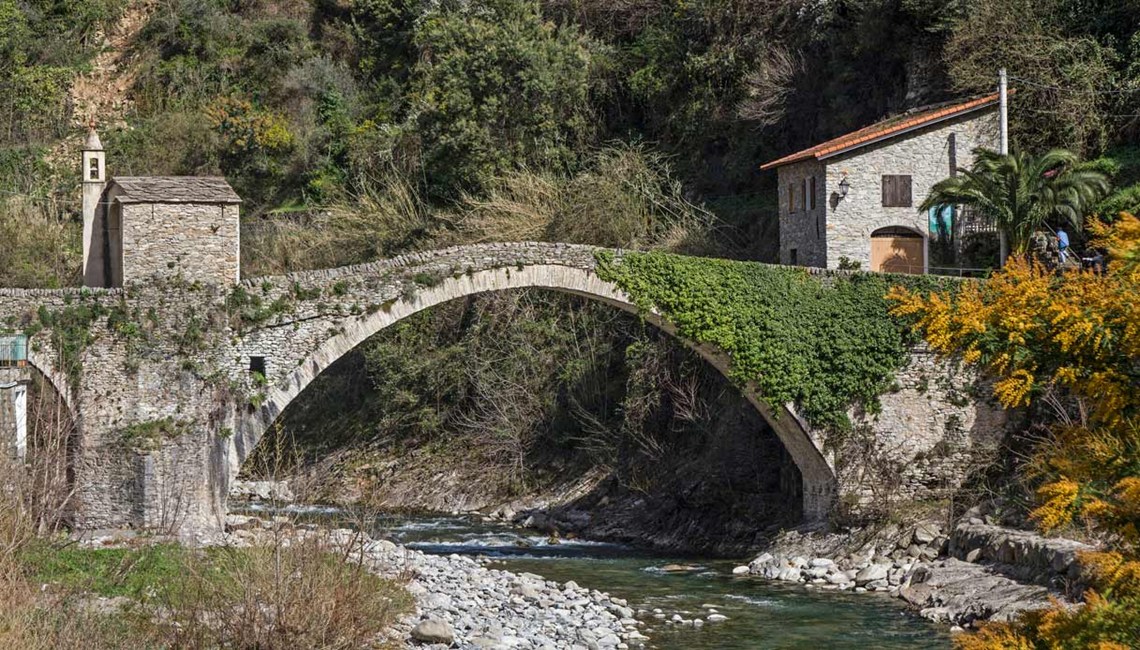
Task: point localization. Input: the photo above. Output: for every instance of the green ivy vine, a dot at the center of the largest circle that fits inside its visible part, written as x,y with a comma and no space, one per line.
825,343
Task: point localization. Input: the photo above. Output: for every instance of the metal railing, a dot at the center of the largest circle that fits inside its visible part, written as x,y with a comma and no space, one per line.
13,351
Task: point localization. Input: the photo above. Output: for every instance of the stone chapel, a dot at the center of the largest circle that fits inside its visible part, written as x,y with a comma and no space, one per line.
139,227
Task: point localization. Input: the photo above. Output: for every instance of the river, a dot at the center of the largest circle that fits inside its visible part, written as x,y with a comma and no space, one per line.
761,615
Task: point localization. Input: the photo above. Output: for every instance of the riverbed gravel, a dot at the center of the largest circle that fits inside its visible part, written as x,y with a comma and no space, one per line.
463,603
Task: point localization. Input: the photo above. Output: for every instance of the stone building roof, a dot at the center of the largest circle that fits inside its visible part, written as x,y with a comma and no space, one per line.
889,128
175,189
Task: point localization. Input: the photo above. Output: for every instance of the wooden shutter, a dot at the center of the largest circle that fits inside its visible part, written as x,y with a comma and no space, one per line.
896,191
791,198
811,193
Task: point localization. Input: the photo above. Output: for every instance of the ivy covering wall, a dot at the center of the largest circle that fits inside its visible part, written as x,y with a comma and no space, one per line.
825,342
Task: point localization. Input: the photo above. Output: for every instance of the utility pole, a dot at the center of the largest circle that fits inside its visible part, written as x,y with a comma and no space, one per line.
1003,101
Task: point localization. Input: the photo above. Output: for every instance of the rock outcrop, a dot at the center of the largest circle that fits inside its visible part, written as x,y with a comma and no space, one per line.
976,572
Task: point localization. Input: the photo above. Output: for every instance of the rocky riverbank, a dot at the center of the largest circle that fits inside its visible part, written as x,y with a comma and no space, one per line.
958,576
463,603
973,573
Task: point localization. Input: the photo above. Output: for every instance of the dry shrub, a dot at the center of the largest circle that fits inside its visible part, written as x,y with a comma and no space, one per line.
768,87
293,590
42,244
35,499
387,218
37,493
626,197
290,593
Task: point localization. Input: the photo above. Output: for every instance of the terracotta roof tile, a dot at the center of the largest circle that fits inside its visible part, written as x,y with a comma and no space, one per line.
886,128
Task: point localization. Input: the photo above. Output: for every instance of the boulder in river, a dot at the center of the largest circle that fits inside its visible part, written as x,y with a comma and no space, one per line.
678,568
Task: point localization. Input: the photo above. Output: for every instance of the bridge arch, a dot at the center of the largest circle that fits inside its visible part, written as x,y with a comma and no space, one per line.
58,382
819,481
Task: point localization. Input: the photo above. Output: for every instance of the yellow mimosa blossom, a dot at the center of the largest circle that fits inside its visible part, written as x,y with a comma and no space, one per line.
1075,336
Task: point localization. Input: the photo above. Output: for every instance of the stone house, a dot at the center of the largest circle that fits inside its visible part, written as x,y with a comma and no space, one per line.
142,227
855,198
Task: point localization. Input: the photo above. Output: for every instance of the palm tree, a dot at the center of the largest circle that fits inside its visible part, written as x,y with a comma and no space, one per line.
1020,192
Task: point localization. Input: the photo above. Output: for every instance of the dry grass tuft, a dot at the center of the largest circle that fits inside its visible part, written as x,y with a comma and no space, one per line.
387,218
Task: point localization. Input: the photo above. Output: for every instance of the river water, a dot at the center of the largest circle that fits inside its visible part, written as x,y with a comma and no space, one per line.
761,615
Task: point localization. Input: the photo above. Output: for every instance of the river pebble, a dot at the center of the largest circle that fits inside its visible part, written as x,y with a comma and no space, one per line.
462,602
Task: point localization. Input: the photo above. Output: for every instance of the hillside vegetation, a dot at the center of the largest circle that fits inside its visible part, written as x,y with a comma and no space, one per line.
357,129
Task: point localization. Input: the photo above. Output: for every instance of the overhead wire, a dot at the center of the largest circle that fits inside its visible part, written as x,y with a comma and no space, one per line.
1086,91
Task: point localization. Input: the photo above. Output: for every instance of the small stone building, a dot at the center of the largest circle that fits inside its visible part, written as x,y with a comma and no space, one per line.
855,198
136,228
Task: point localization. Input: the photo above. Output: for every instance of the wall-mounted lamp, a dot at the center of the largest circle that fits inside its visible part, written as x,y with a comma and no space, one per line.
844,186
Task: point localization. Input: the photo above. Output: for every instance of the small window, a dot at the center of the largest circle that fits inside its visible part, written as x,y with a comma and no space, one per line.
896,191
257,366
791,198
811,193
794,256
803,194
94,169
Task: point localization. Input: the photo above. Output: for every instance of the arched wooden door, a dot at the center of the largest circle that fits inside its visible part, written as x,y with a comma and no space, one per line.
898,250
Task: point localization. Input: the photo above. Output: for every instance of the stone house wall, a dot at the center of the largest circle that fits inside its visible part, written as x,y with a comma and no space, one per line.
924,155
194,241
803,229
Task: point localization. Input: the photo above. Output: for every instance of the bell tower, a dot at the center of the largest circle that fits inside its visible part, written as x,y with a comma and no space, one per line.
94,172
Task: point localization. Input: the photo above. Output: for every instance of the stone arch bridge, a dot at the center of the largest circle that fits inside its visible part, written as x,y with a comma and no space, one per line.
171,383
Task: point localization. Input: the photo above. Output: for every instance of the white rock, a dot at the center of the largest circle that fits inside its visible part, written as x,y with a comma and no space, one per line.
790,574
871,573
433,630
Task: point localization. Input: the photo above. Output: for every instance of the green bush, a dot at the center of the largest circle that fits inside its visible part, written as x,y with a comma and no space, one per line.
497,88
